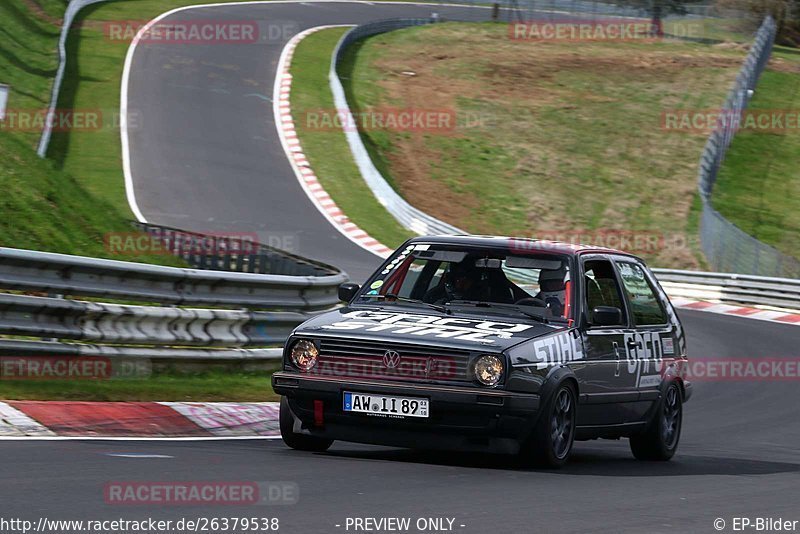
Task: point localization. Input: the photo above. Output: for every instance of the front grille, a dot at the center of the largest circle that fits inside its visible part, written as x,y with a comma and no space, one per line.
365,359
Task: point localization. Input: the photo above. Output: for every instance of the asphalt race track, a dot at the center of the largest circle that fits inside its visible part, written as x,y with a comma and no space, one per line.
738,457
209,159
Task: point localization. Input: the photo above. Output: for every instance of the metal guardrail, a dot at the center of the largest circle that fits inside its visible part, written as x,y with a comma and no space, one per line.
267,307
71,12
27,348
22,315
731,288
60,274
138,333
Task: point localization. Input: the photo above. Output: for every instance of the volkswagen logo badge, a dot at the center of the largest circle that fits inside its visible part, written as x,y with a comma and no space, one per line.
391,359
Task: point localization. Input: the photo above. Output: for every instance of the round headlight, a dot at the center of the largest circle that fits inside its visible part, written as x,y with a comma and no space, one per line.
489,370
304,355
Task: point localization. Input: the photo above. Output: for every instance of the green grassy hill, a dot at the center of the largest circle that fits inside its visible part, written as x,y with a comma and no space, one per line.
42,207
556,139
758,187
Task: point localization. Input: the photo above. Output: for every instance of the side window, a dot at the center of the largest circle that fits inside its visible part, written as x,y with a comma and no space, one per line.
602,288
645,306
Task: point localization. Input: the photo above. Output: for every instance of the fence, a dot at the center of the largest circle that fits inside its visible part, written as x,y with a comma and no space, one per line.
727,247
407,215
715,22
236,254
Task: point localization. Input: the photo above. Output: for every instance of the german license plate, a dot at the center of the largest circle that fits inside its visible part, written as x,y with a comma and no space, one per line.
385,405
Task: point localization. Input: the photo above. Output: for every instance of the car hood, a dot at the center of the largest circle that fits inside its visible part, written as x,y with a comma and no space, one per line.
469,331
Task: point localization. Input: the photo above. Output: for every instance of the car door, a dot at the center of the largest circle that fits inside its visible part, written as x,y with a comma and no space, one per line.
604,384
652,337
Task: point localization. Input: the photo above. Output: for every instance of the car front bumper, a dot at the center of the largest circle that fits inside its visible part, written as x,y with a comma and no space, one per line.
464,418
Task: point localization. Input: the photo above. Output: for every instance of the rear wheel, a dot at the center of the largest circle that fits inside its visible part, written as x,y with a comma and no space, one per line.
660,441
551,442
297,441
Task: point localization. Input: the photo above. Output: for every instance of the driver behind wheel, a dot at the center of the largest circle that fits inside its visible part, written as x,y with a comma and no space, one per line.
553,290
459,282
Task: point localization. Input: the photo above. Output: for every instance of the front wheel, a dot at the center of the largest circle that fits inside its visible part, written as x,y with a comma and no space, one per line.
660,441
296,441
551,442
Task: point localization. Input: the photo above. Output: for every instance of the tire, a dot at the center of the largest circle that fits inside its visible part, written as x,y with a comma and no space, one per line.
297,441
550,445
660,441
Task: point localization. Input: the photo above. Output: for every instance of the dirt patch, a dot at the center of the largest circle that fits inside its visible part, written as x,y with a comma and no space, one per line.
413,161
780,64
574,138
40,13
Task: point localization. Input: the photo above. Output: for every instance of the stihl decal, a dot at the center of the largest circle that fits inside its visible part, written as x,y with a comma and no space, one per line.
558,349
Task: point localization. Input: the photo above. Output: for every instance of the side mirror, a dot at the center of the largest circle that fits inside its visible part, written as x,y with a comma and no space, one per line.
606,316
348,291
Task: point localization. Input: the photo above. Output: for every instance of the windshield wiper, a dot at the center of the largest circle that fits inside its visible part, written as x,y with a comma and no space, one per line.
391,296
483,304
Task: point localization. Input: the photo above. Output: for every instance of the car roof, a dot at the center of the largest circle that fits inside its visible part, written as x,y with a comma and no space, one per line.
523,245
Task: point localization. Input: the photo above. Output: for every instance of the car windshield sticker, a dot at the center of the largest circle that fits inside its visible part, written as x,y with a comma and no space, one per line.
428,325
376,284
397,261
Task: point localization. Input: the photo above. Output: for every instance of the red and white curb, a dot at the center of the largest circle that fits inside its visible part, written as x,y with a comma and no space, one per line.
294,151
775,316
198,420
13,422
231,418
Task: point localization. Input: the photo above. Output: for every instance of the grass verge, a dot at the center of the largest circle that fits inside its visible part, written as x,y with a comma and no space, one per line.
327,149
47,209
551,138
164,386
44,207
93,81
758,185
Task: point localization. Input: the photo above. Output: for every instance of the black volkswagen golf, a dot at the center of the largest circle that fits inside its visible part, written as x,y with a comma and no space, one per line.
491,344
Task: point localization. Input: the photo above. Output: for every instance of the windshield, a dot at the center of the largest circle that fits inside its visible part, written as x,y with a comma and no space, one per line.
446,277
